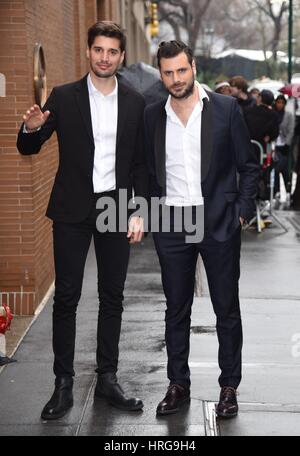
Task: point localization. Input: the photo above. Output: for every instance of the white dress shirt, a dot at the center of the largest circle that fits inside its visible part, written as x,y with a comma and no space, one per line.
104,113
183,156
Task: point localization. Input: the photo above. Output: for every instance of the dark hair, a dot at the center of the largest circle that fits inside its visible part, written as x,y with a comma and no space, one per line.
267,97
169,49
281,97
108,29
239,82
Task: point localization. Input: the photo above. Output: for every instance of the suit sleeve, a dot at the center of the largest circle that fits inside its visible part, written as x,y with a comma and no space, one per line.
149,145
139,166
31,143
246,162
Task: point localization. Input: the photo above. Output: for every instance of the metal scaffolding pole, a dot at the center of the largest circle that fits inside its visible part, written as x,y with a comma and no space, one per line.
290,67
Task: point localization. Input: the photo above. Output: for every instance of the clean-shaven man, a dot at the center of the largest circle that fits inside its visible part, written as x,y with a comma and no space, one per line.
99,127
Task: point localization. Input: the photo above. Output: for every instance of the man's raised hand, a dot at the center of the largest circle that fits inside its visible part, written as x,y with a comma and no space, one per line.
35,118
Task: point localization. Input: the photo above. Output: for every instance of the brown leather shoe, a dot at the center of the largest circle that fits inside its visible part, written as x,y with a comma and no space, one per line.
176,396
227,406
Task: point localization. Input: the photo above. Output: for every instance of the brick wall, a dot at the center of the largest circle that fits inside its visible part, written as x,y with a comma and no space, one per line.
26,262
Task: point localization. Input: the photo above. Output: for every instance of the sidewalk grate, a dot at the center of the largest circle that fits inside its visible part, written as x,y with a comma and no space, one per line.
295,222
210,420
91,389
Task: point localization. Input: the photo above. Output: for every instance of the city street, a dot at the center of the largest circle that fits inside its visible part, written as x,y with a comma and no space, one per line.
269,392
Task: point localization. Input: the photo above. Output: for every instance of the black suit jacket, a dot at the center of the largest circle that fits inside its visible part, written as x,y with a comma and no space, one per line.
229,168
70,117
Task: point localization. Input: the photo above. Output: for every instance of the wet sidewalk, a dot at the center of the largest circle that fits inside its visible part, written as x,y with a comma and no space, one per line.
268,395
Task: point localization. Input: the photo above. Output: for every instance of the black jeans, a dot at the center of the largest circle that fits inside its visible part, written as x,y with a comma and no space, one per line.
281,166
71,245
222,265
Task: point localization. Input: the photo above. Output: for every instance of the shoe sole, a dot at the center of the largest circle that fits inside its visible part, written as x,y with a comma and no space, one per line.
55,417
172,411
120,407
226,416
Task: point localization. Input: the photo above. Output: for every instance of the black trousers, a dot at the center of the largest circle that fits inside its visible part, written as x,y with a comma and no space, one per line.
222,265
71,245
281,166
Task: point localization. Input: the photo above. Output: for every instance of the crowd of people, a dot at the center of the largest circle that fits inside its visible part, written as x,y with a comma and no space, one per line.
269,123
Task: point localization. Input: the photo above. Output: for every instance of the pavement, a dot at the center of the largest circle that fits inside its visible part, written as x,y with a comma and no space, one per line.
269,395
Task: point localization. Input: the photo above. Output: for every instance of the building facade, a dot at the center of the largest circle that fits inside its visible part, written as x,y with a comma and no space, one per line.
60,26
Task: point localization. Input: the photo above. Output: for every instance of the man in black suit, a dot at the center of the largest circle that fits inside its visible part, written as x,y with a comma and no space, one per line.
99,126
197,144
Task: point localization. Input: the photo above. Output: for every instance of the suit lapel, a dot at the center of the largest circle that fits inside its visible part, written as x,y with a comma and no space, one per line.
160,148
206,137
82,97
83,101
123,109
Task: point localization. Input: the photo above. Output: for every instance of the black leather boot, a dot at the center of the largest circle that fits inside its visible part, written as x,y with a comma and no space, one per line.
108,387
61,400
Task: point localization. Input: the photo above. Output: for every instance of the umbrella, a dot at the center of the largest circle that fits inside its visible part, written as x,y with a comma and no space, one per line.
145,79
292,90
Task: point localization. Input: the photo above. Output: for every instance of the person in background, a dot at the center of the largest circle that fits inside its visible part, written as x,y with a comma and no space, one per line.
254,93
261,119
222,87
295,202
286,124
239,90
263,127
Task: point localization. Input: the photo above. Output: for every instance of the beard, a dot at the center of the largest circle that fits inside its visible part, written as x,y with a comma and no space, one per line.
186,93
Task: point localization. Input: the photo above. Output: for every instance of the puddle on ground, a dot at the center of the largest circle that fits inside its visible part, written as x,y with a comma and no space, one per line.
203,330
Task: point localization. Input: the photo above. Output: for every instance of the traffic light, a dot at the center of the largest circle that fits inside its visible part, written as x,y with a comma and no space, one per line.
154,25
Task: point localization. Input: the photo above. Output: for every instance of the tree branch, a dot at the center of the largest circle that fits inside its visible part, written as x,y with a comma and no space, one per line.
170,17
